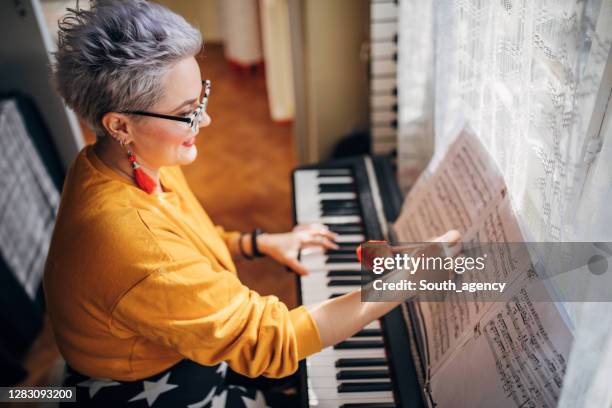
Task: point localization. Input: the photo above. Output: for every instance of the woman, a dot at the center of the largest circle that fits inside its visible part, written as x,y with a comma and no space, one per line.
141,287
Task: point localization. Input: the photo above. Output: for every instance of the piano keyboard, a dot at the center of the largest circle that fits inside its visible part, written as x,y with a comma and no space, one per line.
383,69
354,373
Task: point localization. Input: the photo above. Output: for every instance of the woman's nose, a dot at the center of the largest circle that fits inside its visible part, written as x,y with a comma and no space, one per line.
205,120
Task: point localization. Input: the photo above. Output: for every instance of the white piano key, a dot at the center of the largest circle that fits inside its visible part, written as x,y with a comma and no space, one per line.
326,390
335,180
320,375
384,116
382,366
319,367
383,67
329,360
307,205
340,219
383,84
320,265
379,132
383,31
351,353
350,238
324,371
383,11
375,324
337,196
383,50
313,257
335,403
383,101
332,355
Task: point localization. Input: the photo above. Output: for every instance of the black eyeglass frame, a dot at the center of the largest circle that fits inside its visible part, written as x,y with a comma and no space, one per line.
194,118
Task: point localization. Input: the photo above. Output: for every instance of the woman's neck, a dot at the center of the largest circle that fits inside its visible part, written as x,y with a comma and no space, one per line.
114,156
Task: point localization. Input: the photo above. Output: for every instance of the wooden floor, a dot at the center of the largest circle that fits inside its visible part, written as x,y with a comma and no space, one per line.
242,173
241,177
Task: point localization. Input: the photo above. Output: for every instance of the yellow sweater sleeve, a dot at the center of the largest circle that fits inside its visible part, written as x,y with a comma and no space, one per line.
227,236
209,316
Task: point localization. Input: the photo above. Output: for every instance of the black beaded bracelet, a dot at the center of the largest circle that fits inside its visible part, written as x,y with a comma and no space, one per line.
242,251
254,248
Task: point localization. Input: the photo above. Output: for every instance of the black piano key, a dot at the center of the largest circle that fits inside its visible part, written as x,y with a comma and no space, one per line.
340,202
331,260
343,249
343,273
334,172
365,387
339,211
347,251
359,344
368,332
362,374
345,209
336,188
369,405
336,206
339,207
346,228
335,295
361,362
340,282
347,256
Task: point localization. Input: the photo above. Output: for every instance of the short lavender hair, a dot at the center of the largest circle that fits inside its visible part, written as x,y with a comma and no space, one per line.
113,56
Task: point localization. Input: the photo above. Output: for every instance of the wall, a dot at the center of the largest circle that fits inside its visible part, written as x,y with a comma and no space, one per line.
201,13
336,82
330,79
25,68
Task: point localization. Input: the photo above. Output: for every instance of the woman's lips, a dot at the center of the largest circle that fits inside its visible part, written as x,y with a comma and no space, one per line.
189,142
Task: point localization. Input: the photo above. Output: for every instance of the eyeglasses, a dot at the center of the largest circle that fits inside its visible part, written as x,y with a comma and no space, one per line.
193,119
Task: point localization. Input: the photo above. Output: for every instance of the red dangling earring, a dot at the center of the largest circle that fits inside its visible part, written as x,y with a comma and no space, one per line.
143,180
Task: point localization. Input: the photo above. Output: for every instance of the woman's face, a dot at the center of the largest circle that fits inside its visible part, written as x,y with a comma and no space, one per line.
161,142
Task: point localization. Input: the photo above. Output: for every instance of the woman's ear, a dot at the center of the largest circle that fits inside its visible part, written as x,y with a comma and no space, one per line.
118,126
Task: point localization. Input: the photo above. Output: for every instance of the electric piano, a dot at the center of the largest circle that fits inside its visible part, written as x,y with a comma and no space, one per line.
356,198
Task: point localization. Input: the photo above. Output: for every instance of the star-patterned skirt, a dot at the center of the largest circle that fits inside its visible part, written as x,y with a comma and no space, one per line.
187,384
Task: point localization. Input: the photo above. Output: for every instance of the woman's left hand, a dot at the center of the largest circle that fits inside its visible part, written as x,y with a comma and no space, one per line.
285,247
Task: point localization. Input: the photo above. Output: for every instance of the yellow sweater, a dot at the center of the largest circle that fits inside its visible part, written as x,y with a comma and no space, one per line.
135,282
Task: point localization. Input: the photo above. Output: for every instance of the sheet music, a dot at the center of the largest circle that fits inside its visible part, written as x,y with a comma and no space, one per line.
515,357
465,192
28,201
445,322
465,184
508,342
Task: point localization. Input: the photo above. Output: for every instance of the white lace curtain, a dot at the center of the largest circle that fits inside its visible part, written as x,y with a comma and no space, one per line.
532,78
